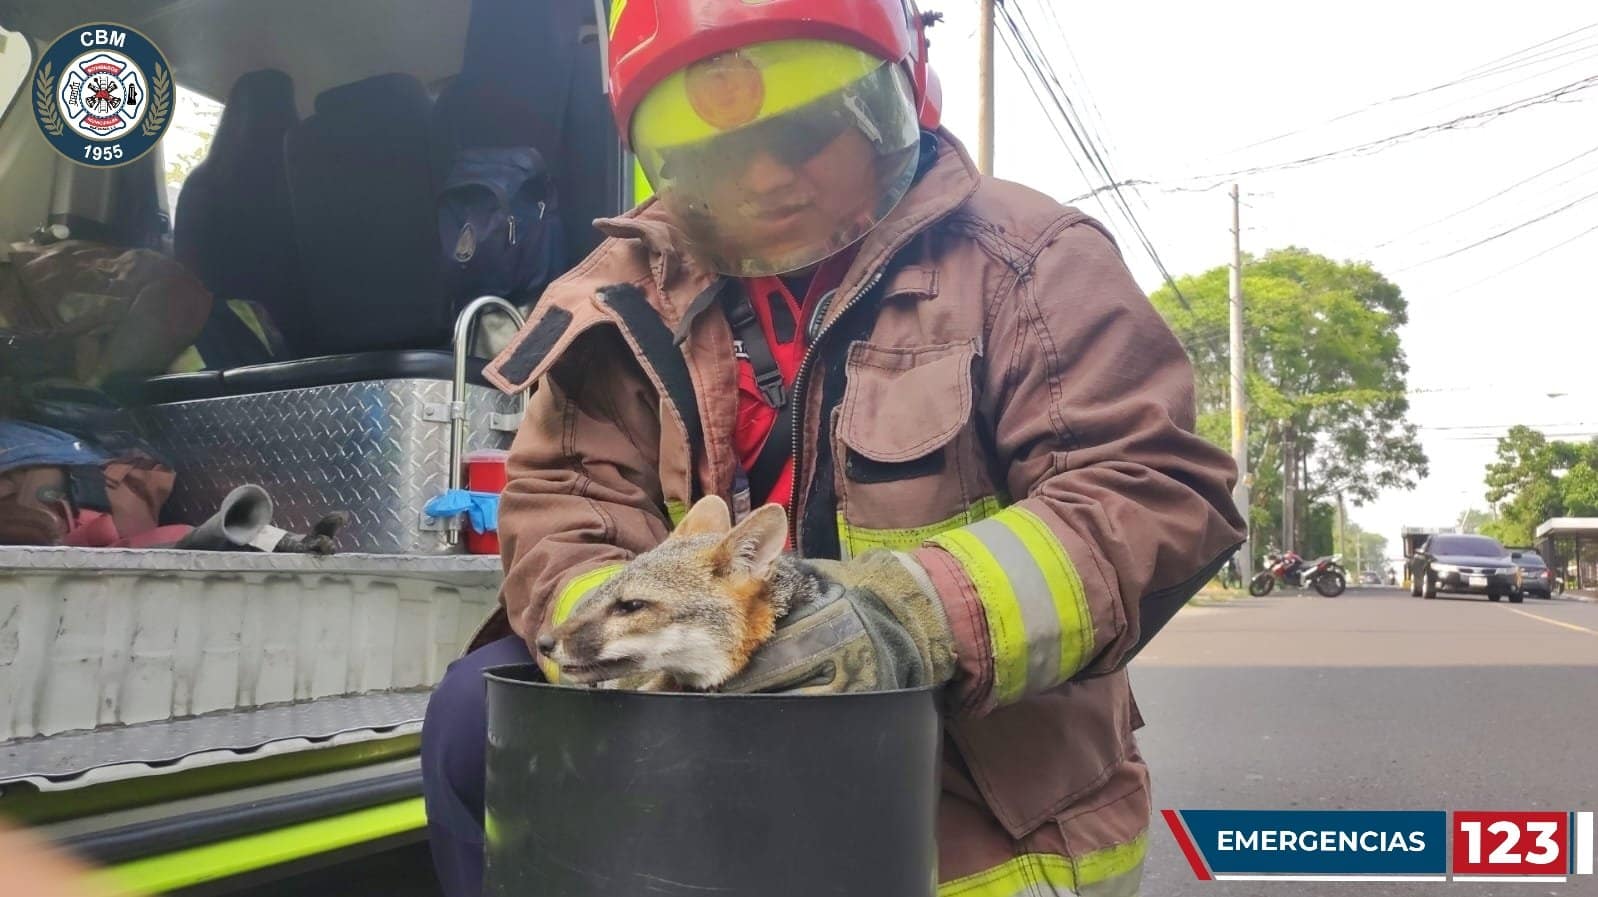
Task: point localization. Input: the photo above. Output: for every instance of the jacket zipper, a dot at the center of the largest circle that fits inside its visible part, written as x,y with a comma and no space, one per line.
797,396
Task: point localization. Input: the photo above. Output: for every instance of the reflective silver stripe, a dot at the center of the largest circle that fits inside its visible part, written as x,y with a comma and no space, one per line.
1032,596
1124,885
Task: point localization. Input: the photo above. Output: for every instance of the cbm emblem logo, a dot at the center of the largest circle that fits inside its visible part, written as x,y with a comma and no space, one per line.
102,94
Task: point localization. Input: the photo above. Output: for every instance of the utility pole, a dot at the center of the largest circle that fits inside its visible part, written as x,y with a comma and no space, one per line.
1289,475
1342,527
1240,495
985,88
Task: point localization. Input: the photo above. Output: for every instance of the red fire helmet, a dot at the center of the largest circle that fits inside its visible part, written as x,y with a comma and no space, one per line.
652,39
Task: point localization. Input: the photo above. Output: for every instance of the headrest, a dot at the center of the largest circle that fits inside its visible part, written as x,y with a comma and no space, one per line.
260,108
372,101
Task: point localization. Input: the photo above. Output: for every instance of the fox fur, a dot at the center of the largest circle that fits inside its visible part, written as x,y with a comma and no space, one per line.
688,614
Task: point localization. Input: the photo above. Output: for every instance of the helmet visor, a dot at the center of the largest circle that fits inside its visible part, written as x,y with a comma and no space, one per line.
779,155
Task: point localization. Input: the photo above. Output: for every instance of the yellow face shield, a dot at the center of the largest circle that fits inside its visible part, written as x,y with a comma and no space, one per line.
776,156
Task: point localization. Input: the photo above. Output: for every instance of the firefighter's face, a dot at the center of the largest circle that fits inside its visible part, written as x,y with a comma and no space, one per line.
775,206
785,191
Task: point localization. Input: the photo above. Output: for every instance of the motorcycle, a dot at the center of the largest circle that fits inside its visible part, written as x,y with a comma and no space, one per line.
1325,574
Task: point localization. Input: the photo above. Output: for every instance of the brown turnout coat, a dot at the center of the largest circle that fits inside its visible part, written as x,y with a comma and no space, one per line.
1011,363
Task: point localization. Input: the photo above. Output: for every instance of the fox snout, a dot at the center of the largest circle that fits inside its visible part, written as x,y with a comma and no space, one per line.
692,609
586,649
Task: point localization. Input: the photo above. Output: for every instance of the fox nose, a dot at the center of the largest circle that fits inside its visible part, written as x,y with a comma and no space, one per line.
546,644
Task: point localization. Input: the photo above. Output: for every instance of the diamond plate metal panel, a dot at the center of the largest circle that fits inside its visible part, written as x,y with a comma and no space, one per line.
358,447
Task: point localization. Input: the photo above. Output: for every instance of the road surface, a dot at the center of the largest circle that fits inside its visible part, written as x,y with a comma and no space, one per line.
1373,700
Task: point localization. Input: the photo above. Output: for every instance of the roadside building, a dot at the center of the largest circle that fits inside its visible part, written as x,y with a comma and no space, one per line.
1570,546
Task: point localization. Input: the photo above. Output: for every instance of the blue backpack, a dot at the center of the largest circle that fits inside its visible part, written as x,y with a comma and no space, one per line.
498,226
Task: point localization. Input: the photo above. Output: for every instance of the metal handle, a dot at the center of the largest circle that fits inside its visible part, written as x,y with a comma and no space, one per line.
464,324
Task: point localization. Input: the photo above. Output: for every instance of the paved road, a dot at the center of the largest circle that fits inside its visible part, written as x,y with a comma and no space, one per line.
1370,700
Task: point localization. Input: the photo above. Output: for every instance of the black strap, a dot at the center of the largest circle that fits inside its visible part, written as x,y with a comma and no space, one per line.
778,447
747,330
773,456
654,340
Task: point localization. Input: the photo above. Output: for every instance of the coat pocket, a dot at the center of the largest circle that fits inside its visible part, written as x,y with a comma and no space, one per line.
908,462
902,405
1035,760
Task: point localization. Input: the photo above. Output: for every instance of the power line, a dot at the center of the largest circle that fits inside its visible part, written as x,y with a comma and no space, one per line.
1503,233
1588,27
1573,423
1483,70
1025,59
1369,147
1582,434
1481,202
1087,93
1084,140
1525,261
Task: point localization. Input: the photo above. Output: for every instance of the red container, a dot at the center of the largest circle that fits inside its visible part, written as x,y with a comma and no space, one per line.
485,472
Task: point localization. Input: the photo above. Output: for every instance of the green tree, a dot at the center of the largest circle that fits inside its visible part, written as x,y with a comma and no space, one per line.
1326,382
1473,520
1535,478
1369,548
1372,550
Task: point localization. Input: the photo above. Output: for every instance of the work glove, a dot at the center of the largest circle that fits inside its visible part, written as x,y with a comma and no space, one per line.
244,523
878,626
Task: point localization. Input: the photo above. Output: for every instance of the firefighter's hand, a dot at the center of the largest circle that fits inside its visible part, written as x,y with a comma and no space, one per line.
877,627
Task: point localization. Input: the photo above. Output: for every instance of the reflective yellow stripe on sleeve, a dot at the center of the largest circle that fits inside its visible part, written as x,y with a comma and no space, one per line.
676,511
567,600
1113,872
854,541
1039,625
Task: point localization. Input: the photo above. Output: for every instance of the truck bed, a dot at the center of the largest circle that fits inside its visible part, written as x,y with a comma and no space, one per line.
95,638
197,722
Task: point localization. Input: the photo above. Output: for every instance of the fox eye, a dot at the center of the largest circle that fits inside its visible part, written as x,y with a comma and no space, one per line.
630,606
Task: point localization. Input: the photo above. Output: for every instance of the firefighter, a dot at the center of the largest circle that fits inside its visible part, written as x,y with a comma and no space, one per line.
974,417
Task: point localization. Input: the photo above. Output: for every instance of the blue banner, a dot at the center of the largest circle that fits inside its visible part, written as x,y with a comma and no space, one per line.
1320,842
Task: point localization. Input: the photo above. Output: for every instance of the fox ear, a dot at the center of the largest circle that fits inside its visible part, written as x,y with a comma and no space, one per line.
755,542
708,516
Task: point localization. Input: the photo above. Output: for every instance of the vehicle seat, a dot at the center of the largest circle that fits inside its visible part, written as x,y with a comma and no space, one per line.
511,44
512,88
234,228
592,187
363,179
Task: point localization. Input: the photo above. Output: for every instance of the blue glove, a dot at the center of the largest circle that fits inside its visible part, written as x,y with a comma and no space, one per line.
480,508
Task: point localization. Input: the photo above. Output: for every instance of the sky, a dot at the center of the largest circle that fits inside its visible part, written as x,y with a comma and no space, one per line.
1178,91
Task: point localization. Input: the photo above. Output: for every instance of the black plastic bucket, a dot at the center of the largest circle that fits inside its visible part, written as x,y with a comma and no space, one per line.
615,794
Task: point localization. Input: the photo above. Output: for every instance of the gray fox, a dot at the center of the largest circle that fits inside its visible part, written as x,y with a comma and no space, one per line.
687,614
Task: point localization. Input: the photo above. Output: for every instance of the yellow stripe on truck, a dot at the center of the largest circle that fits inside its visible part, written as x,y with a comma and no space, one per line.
224,859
